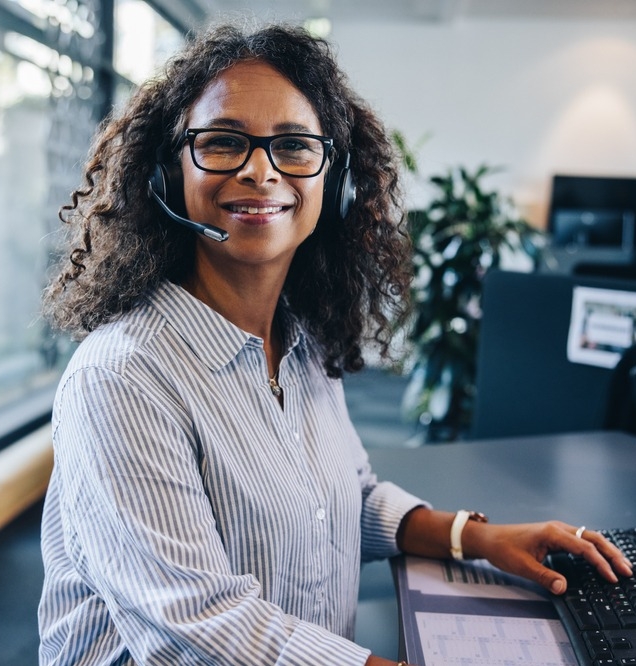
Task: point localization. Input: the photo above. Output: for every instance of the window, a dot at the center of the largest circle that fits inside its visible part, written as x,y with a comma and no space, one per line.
143,40
54,89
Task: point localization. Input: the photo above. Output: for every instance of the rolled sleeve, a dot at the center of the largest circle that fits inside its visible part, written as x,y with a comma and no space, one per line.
384,505
384,508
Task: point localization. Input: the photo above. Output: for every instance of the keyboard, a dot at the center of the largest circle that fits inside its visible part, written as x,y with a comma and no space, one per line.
599,617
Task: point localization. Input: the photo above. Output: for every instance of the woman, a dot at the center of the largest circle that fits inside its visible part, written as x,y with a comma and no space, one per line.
211,500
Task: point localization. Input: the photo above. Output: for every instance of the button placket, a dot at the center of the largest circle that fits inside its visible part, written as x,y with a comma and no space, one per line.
321,532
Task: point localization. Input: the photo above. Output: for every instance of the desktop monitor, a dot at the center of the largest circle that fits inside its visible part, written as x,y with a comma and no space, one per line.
592,219
593,228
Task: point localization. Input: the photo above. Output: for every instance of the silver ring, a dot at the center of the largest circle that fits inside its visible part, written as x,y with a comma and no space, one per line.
579,532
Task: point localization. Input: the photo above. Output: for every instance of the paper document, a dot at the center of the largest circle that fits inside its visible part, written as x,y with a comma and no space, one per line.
470,578
492,641
471,613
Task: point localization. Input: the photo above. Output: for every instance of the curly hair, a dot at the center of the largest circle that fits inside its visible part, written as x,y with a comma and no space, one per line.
348,282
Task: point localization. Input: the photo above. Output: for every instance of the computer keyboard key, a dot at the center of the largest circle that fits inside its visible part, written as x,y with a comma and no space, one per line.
606,616
621,643
627,619
601,652
595,637
586,620
579,606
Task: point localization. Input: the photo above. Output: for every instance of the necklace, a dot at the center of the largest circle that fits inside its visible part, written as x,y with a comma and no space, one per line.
274,386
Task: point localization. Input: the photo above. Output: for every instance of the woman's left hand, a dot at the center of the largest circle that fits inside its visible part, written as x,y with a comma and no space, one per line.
521,549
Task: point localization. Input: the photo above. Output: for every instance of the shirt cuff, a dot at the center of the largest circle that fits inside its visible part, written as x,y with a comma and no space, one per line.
383,512
310,644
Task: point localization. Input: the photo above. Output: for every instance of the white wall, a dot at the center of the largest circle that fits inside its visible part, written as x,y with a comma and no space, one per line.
536,96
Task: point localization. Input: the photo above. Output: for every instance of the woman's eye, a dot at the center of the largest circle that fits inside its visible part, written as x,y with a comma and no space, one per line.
292,145
220,143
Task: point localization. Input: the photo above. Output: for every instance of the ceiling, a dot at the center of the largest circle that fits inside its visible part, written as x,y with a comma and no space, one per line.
420,10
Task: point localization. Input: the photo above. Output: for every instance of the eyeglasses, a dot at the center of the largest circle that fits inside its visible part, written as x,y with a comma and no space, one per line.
224,151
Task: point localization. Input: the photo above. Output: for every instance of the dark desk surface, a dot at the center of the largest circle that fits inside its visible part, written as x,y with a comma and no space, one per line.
582,478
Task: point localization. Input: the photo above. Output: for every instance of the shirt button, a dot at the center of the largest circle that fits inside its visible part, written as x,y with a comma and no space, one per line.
320,514
297,437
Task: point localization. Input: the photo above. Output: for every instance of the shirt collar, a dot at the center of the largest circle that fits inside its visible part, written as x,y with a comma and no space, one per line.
216,340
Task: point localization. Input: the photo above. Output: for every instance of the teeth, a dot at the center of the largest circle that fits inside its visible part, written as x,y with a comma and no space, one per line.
252,210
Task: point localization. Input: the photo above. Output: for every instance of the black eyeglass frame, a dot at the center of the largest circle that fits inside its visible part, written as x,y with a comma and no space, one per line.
263,142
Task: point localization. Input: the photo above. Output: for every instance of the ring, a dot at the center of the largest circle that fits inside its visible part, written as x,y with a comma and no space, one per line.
579,532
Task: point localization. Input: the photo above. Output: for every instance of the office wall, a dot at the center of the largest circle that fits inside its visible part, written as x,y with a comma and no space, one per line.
535,96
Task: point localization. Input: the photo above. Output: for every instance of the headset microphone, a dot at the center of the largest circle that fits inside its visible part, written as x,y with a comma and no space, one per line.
162,190
208,230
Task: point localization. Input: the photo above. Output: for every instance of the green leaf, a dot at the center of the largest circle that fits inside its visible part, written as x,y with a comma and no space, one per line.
407,154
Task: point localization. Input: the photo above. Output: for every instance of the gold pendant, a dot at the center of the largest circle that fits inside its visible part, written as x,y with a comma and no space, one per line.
275,388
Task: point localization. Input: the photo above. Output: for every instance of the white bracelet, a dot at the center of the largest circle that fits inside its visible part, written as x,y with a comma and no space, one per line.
459,522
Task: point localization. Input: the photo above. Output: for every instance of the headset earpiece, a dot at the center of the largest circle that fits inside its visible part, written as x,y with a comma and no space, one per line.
166,181
340,190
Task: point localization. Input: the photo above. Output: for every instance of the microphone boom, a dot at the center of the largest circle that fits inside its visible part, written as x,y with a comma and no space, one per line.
208,230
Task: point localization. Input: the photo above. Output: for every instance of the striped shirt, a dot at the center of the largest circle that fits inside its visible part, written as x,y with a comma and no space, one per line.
192,520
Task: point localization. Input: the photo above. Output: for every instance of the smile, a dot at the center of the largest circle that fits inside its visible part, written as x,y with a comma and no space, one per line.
252,210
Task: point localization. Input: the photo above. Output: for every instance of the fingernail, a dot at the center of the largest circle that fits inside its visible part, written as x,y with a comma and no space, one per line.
557,587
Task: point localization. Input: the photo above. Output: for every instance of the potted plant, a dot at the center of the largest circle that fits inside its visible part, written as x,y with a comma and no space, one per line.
462,233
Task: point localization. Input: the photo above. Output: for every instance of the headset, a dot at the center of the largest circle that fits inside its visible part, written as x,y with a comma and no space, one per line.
165,187
340,190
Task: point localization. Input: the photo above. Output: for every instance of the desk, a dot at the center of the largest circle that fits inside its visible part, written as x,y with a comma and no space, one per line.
582,478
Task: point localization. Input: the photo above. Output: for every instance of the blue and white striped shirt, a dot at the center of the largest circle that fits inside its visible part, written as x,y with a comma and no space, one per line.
190,519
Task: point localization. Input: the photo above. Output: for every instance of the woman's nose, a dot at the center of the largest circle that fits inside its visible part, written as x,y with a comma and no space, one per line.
258,168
